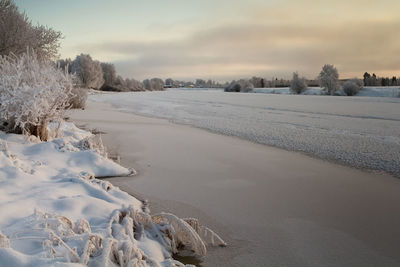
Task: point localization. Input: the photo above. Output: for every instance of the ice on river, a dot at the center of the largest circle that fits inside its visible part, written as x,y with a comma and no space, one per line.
360,131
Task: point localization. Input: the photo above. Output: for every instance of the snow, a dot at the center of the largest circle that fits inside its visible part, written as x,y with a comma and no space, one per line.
358,131
391,91
54,211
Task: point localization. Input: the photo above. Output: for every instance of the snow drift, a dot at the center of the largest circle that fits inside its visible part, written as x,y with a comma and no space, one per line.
55,212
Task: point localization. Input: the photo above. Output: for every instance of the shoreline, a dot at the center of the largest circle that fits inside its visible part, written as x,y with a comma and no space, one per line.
261,200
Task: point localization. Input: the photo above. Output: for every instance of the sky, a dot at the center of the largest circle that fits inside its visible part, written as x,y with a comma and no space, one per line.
225,40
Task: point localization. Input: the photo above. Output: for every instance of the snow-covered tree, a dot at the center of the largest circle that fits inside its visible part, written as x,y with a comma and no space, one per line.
109,73
329,79
17,33
169,82
258,82
200,83
119,82
154,84
32,93
134,85
88,70
64,64
298,85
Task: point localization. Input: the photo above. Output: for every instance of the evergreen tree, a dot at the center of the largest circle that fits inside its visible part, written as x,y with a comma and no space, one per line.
367,77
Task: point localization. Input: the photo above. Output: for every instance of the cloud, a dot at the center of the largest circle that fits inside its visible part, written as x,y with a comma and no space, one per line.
259,48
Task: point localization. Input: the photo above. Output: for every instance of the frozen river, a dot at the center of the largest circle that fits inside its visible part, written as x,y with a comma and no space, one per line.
359,131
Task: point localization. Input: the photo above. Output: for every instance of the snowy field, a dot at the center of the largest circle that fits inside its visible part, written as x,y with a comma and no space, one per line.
359,131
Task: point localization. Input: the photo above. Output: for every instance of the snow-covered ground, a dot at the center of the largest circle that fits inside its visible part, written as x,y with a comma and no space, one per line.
286,91
360,131
54,212
391,91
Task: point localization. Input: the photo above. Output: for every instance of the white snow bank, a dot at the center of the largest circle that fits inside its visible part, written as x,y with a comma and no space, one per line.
54,212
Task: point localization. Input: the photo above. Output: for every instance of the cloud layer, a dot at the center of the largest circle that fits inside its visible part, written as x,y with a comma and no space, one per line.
263,38
242,50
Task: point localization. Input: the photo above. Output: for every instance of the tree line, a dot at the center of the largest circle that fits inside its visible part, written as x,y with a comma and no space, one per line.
98,75
373,80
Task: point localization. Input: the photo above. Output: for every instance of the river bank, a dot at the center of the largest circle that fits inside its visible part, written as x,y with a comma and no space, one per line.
273,207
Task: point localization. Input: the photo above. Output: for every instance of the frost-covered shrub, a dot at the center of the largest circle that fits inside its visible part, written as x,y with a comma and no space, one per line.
4,241
78,97
329,79
352,87
32,93
298,85
240,86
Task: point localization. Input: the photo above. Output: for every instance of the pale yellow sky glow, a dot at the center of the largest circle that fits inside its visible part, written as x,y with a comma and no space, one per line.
224,39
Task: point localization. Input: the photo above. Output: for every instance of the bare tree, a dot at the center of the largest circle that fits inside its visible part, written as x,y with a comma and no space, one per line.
329,79
17,34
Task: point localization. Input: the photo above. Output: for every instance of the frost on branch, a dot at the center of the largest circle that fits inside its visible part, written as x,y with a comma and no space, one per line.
32,93
4,242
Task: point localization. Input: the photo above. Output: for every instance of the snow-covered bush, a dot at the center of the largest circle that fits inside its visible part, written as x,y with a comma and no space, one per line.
352,87
329,79
78,97
233,87
240,86
32,93
89,71
17,33
298,85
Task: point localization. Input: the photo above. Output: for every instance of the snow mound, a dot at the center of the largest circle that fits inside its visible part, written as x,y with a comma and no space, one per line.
55,212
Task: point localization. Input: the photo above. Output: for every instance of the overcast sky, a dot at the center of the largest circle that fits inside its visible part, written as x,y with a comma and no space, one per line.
226,39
